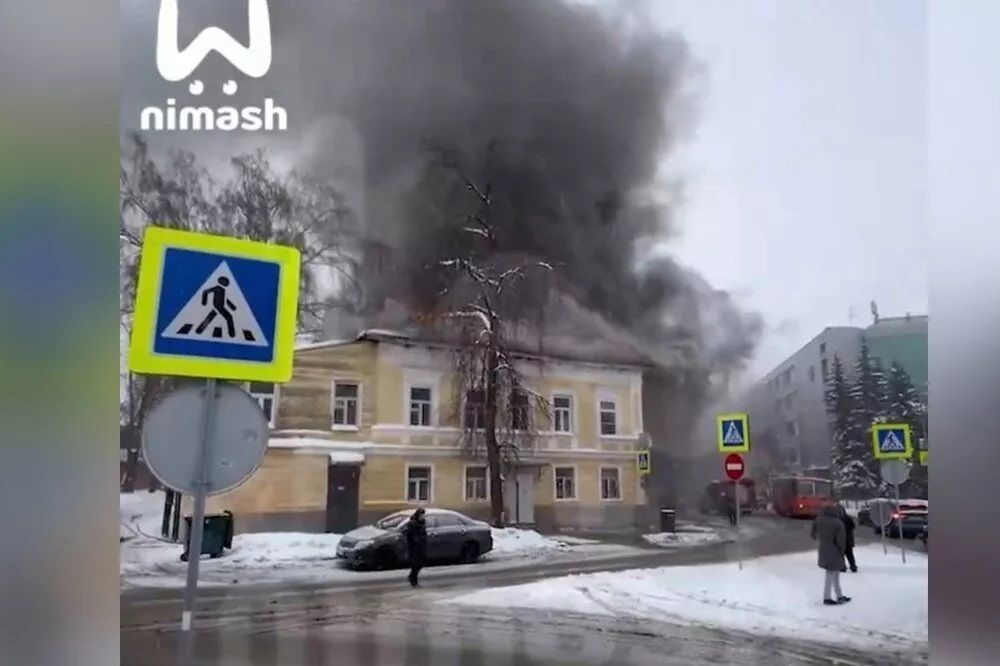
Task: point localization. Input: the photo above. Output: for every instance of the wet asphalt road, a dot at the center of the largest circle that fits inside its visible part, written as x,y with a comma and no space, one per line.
388,623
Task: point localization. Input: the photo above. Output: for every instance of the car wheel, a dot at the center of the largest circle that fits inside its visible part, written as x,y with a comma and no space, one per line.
470,552
385,558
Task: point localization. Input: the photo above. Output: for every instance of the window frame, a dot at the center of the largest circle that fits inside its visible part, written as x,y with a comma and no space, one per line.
600,483
481,412
430,483
431,403
272,417
465,484
600,413
555,483
572,412
357,409
526,410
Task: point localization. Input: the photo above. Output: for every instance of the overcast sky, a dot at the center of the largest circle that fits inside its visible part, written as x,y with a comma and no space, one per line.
806,178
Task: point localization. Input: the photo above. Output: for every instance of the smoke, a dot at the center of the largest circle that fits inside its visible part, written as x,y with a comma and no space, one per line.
568,112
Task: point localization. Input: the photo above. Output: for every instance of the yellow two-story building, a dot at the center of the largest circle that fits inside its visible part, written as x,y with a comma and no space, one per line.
373,425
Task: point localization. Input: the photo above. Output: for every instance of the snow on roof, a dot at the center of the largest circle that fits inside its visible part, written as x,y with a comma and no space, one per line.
323,344
431,511
318,443
350,457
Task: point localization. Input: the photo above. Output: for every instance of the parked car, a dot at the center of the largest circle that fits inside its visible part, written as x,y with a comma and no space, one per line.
908,518
451,536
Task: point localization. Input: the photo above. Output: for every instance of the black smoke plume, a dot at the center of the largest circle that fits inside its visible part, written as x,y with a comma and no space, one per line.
567,111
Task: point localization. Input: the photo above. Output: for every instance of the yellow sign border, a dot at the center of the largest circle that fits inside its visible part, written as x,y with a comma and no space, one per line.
907,437
143,359
649,461
719,435
923,458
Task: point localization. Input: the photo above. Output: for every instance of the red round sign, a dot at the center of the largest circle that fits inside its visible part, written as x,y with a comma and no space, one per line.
734,466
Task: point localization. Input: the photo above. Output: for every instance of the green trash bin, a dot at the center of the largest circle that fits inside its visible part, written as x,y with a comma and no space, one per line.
217,535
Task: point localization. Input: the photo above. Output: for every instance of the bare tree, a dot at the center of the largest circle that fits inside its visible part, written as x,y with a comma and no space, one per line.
255,203
499,410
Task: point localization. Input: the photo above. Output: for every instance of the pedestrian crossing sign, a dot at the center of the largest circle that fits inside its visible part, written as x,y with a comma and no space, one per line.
642,462
733,432
892,441
214,306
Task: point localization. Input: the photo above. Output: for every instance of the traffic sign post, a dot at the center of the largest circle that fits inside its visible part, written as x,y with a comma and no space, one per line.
733,433
642,463
217,308
734,470
212,306
881,516
892,441
895,472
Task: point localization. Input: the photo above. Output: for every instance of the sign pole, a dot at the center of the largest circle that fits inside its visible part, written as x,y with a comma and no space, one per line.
197,525
739,543
885,549
902,544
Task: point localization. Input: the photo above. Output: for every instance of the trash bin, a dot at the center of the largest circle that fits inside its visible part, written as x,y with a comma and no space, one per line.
668,520
217,534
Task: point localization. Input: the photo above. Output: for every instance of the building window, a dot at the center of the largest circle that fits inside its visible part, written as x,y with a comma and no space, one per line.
822,348
562,413
611,483
793,428
345,404
518,409
823,368
420,406
812,373
565,483
474,414
418,484
609,417
475,484
264,394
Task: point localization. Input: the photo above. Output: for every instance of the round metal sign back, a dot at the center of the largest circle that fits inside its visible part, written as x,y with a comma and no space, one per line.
895,471
237,439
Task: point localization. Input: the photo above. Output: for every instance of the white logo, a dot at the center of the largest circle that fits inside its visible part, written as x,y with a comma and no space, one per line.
892,443
217,312
732,435
254,59
175,64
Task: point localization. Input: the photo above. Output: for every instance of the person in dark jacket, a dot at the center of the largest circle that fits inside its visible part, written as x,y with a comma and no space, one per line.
730,502
416,543
831,536
849,540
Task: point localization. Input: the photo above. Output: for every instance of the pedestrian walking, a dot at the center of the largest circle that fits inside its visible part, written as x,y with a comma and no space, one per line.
831,536
730,508
849,540
416,543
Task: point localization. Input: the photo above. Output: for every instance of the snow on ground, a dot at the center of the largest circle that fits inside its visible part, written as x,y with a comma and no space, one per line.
515,542
148,560
700,534
779,595
682,539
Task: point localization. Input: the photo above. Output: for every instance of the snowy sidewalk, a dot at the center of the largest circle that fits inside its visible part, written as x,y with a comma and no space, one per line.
779,596
279,557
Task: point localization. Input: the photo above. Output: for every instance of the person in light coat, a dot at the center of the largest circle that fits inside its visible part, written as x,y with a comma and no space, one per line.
831,541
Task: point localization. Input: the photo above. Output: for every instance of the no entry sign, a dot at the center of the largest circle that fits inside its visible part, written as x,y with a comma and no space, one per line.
734,466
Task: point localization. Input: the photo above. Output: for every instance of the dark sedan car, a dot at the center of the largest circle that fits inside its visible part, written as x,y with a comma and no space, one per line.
451,536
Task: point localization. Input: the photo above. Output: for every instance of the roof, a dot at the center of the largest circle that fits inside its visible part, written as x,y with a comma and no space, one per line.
567,331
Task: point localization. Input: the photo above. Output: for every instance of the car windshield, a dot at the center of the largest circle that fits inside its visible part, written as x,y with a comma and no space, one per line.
393,521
